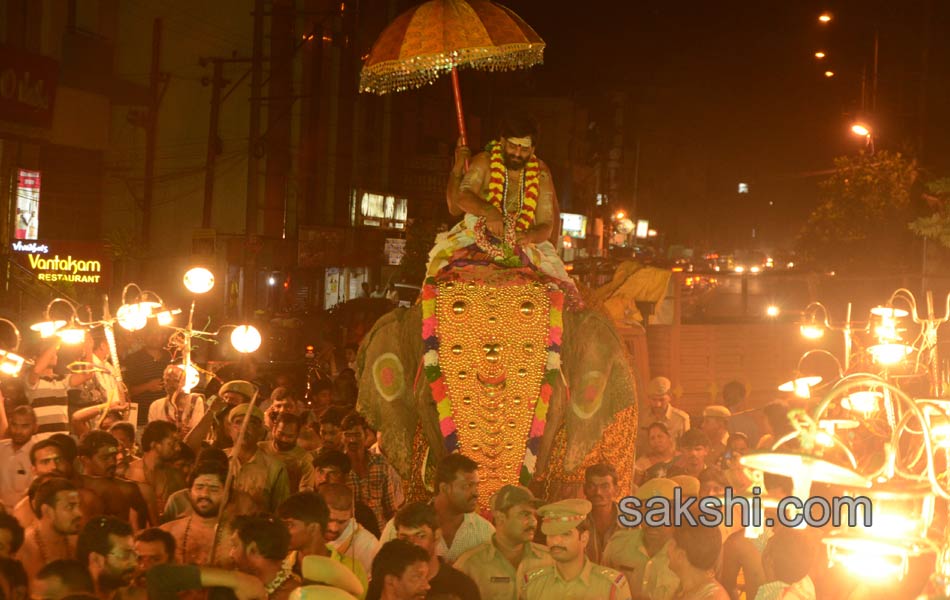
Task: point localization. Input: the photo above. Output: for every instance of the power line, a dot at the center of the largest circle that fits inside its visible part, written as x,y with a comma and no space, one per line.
184,28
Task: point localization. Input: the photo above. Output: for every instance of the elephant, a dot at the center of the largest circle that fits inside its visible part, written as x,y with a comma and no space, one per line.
490,363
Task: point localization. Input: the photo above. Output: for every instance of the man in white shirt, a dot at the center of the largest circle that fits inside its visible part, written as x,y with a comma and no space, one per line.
16,471
343,533
184,410
456,503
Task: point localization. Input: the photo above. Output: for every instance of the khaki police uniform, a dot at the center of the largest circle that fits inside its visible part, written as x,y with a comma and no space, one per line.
493,573
626,553
496,578
595,582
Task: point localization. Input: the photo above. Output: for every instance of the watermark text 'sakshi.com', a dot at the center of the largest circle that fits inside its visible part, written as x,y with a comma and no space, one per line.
713,511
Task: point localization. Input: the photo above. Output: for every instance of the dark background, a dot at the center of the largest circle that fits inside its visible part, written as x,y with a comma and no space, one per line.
729,91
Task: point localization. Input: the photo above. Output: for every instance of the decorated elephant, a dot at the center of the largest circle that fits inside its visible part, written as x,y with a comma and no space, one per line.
491,363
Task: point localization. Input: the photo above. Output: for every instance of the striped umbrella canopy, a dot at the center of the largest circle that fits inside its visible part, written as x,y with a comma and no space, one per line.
439,36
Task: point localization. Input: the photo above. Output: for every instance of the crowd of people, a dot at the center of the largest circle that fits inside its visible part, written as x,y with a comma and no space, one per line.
136,488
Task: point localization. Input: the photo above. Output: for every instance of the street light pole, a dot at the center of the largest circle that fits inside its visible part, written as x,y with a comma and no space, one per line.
874,73
253,145
866,132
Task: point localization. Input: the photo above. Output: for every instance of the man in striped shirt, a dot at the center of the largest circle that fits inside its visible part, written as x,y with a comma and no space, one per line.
48,393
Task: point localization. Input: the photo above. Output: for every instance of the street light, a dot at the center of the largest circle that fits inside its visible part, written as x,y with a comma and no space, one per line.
820,54
192,377
824,17
69,331
829,74
199,280
813,327
864,131
888,354
246,339
134,316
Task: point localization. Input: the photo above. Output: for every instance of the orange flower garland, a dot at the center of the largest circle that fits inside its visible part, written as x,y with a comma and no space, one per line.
497,192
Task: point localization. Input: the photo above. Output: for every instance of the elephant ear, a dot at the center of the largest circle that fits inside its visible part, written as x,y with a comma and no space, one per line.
387,362
599,380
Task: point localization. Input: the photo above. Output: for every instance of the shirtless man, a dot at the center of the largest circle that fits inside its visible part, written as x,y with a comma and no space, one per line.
107,548
197,532
53,535
154,470
518,143
519,209
120,498
258,547
51,459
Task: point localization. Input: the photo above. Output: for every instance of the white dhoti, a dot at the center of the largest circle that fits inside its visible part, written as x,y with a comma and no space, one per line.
543,257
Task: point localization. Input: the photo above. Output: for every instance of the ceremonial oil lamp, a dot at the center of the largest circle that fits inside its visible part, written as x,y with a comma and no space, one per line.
10,362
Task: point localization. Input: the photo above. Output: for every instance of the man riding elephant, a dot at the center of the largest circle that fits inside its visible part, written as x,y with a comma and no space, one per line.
497,360
510,207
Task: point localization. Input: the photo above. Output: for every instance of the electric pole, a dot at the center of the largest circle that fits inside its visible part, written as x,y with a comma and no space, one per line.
217,83
214,142
151,129
253,150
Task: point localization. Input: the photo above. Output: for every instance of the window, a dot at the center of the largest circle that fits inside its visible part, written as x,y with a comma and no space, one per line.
377,210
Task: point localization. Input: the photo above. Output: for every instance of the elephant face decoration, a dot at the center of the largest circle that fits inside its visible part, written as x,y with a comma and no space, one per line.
495,343
485,379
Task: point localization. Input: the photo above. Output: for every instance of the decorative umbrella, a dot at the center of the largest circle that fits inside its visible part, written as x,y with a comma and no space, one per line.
442,35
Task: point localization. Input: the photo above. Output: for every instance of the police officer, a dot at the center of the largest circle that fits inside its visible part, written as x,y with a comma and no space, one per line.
499,565
572,576
631,549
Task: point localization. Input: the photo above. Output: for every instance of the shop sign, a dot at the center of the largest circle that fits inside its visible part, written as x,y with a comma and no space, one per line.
203,242
395,250
383,211
320,246
574,225
643,228
80,263
27,87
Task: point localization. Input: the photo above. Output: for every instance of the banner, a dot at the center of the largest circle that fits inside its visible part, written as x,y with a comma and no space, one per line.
27,205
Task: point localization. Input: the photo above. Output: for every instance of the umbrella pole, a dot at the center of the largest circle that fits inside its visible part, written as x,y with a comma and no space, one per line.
458,106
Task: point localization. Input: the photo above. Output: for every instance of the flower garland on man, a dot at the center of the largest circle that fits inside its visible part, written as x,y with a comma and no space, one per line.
508,199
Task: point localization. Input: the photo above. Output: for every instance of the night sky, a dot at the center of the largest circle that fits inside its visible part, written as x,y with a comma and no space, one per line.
730,91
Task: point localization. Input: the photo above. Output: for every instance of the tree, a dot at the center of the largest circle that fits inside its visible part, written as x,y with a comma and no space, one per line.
936,226
860,223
